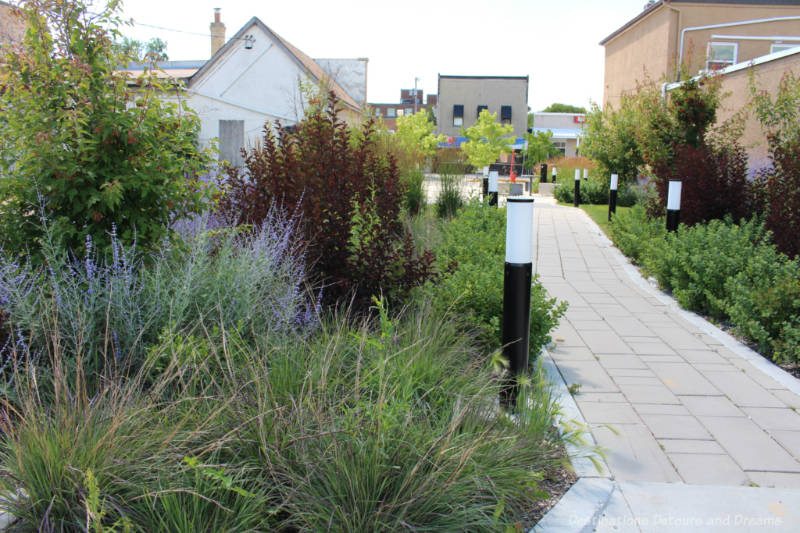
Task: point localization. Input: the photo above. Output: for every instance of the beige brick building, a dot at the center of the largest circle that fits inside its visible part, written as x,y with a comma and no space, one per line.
707,35
461,98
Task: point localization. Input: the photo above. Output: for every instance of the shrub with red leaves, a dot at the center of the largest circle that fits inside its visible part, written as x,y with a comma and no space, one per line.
714,181
350,199
782,191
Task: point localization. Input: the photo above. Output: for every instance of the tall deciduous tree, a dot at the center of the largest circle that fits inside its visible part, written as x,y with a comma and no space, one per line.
415,139
540,148
81,148
486,140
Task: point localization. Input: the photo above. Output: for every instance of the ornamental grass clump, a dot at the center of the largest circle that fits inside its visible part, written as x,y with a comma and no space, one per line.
360,426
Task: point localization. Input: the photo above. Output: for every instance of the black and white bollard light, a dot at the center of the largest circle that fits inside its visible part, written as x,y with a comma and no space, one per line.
612,196
517,292
494,180
543,176
673,205
577,199
585,173
485,183
554,174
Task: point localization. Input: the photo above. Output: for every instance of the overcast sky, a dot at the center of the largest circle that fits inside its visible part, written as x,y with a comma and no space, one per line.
553,42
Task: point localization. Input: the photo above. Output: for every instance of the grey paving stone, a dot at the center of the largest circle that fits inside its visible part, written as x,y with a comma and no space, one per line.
629,372
787,397
655,347
660,409
637,380
749,445
599,298
609,310
607,413
639,304
633,454
565,335
711,406
679,339
703,356
724,367
681,378
704,469
621,361
605,342
790,440
578,508
582,287
582,313
742,390
571,353
691,446
649,394
780,480
661,358
629,327
590,325
774,418
612,397
589,374
675,427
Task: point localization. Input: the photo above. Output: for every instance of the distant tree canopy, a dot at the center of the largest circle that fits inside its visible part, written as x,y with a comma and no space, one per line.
153,50
563,108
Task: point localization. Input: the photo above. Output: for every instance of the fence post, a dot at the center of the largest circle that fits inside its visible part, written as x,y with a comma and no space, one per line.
517,292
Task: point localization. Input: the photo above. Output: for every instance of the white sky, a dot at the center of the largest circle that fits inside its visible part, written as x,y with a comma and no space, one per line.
553,42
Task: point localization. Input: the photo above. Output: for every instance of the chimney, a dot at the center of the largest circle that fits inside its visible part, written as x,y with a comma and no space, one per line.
217,32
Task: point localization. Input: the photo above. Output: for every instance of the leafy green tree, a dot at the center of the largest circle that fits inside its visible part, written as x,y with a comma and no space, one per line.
153,50
563,108
540,148
486,140
610,138
415,139
79,147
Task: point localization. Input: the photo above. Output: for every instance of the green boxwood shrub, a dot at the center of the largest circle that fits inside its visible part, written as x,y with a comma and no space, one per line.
472,252
594,192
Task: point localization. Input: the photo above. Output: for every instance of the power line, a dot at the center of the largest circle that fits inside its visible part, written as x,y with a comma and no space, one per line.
245,38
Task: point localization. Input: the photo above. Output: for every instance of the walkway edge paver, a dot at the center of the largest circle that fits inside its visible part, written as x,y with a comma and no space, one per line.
729,341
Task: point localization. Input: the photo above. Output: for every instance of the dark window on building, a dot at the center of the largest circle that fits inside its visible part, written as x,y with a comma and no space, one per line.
505,114
480,108
458,115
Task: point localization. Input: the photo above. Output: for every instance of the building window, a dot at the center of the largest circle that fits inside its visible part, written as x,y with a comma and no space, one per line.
481,108
780,47
377,113
505,114
561,146
390,112
721,55
409,111
458,115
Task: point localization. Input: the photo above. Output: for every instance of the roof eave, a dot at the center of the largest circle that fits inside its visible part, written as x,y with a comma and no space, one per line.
634,20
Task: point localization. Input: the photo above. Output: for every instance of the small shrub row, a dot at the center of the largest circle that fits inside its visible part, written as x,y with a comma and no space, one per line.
731,272
471,253
594,192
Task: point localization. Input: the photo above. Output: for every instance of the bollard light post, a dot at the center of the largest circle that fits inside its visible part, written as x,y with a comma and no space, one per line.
554,174
493,185
673,205
485,183
612,196
577,197
517,292
585,173
543,174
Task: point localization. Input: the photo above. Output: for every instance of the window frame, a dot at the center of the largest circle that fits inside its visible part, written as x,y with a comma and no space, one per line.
785,46
709,60
503,119
458,119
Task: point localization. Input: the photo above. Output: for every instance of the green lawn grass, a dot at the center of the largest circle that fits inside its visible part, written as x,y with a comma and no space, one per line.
599,214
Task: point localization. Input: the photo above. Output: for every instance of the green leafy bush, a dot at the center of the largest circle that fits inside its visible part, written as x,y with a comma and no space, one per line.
415,192
594,192
82,150
696,262
633,232
472,253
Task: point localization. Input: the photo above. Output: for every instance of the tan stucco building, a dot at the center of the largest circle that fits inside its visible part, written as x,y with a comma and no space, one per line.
707,35
12,27
566,128
461,98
